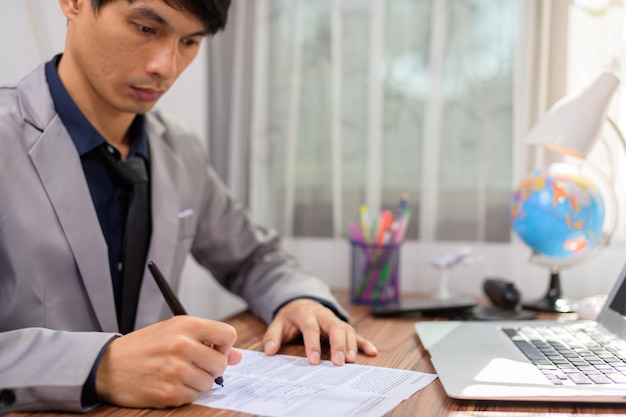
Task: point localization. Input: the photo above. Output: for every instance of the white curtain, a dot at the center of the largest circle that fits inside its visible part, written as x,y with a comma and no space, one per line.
32,32
356,102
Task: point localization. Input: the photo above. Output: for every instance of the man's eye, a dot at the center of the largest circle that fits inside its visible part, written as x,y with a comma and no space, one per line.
144,29
190,42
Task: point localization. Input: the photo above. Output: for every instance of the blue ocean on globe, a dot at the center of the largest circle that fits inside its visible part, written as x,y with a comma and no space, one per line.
557,213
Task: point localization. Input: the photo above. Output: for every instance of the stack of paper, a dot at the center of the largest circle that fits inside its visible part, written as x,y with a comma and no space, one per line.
284,385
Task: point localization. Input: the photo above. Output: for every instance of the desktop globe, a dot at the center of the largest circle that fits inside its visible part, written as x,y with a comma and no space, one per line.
560,213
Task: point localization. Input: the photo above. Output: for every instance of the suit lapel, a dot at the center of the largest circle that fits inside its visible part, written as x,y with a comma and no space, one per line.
165,206
58,164
55,158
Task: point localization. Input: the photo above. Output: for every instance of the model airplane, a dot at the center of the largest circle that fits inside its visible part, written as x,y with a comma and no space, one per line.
445,263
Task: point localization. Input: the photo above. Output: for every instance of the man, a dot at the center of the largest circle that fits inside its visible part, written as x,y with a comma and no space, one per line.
69,280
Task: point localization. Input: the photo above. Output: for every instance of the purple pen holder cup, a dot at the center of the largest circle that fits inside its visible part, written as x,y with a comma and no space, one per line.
374,274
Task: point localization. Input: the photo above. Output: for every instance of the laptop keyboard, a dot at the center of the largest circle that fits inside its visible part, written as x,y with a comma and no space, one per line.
576,354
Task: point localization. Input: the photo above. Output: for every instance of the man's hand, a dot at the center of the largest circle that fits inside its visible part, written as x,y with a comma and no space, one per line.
315,321
166,364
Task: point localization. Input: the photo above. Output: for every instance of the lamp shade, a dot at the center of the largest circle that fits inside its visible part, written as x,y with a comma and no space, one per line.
574,122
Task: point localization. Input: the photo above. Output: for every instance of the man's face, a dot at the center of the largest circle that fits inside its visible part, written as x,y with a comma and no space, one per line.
125,56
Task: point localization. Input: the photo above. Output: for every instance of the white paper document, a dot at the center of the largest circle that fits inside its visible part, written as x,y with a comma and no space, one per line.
284,385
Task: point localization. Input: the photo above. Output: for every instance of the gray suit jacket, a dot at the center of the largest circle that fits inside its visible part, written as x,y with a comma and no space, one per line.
56,299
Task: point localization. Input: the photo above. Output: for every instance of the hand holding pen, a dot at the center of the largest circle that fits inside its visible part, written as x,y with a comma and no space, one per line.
165,364
172,301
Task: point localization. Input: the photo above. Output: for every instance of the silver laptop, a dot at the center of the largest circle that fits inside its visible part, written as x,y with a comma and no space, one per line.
570,361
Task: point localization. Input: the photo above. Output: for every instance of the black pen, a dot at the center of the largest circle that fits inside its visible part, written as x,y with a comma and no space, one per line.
172,301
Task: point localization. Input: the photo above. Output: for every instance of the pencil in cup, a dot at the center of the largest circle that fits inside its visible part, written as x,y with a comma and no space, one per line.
375,272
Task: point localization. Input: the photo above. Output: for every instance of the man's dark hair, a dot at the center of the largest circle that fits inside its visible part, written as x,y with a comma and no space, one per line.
213,13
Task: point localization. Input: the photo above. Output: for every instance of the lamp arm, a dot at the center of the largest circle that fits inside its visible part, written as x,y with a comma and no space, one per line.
622,142
617,130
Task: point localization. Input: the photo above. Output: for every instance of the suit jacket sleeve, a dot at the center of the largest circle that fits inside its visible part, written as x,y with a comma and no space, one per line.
248,259
43,369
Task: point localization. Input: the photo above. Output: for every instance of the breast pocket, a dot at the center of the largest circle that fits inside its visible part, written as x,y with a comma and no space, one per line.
186,224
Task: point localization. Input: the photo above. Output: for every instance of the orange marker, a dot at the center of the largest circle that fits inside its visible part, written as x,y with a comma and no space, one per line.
386,220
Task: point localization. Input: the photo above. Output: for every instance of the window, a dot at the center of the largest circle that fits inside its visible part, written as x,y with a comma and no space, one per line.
366,100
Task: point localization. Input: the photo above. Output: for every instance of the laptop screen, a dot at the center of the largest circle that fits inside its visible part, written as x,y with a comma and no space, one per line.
613,315
618,303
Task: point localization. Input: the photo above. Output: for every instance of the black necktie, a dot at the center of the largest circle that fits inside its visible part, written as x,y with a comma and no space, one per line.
134,174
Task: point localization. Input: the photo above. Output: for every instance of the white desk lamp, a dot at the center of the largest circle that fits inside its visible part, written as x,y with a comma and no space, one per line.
572,127
573,123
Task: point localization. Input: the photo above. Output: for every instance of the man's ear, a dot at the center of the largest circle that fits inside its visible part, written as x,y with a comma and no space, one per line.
71,8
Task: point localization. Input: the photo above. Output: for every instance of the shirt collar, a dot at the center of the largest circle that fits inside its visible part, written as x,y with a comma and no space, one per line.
83,134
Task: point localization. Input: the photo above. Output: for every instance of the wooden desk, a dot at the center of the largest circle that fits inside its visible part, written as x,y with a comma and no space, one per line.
399,347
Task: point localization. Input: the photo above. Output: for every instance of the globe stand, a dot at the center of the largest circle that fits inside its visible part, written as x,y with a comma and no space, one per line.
552,302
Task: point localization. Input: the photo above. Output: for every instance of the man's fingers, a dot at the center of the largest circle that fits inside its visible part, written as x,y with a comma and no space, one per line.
273,337
337,338
280,330
314,321
234,357
352,346
311,334
366,346
220,336
343,343
209,362
199,378
206,347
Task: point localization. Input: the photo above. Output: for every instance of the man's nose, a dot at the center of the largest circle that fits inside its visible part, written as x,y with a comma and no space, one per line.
163,61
